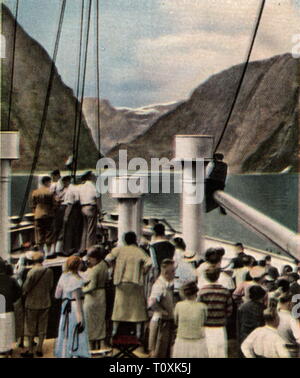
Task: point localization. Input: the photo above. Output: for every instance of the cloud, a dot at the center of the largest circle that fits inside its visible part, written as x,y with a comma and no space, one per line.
160,50
209,37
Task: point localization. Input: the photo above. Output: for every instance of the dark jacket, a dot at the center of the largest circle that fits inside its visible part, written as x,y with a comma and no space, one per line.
219,172
162,250
250,316
237,262
11,291
295,288
37,288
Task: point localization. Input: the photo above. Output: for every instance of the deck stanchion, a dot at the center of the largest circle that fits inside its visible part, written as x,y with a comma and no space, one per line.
9,150
130,206
194,151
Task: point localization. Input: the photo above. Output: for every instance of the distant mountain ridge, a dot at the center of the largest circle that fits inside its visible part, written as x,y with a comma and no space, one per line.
262,135
120,125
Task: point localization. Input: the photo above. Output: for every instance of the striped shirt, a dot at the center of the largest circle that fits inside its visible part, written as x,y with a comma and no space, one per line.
219,303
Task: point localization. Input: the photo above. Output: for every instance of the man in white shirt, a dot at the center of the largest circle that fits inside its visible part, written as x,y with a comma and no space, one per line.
90,201
265,342
285,324
56,185
73,221
59,228
161,301
56,188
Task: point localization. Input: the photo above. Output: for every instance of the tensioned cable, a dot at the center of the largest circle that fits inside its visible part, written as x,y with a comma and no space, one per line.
82,90
243,74
45,112
78,87
98,77
13,66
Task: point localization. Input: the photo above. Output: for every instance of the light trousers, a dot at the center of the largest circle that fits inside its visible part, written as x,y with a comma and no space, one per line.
216,341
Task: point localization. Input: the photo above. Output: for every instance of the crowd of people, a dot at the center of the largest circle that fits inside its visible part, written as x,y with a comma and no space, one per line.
176,305
65,214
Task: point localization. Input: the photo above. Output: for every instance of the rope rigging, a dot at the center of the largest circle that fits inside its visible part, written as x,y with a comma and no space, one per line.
98,76
45,111
79,104
242,75
13,66
82,91
78,87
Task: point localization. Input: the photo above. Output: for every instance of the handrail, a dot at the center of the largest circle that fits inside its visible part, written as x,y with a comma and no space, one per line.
261,224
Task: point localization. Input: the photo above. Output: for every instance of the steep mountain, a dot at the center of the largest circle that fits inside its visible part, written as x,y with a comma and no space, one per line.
262,135
120,125
31,76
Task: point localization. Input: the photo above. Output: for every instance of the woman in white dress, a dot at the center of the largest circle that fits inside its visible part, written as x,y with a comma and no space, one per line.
190,317
72,341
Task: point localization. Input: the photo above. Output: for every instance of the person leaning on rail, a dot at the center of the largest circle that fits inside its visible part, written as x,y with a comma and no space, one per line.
216,173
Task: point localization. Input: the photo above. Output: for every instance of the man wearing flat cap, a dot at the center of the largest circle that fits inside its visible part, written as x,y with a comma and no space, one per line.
36,293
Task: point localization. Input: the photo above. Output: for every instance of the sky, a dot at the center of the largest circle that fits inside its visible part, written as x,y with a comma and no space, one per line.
159,51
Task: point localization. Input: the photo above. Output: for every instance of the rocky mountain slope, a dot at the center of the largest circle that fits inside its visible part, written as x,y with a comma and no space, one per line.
262,135
120,125
32,70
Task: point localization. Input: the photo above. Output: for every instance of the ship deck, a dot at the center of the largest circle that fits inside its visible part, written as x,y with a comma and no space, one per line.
277,260
49,346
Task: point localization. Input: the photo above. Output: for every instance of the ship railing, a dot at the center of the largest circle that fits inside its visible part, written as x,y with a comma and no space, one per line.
264,226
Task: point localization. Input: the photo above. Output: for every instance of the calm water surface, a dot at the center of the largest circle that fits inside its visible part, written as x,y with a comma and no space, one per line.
273,194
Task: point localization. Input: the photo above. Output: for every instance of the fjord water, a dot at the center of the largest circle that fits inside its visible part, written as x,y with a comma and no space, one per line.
275,195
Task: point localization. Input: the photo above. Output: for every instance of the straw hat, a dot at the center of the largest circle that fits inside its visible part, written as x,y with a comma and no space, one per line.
190,256
34,255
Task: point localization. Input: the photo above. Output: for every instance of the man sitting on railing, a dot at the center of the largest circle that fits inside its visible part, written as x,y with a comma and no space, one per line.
216,174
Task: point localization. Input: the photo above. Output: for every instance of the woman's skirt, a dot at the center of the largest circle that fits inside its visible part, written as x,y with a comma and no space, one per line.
70,343
7,331
190,348
95,310
129,304
216,340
